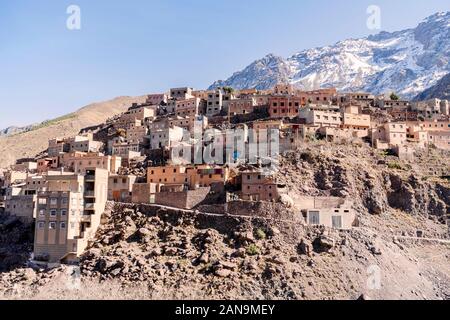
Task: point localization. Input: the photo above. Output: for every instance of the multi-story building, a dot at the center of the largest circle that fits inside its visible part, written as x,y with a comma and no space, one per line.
164,138
56,146
137,134
214,102
68,215
356,121
389,135
284,106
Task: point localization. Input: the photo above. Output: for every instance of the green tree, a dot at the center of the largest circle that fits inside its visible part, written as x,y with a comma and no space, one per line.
393,96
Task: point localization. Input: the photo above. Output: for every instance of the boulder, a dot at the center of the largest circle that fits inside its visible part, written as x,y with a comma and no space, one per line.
223,273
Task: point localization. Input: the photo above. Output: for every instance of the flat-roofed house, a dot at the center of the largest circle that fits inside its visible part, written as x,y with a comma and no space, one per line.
120,187
258,186
284,106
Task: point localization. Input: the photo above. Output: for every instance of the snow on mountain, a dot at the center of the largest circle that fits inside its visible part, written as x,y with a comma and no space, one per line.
407,62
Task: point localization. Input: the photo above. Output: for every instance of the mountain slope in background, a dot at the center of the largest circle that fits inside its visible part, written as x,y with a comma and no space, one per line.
407,62
440,90
28,144
15,130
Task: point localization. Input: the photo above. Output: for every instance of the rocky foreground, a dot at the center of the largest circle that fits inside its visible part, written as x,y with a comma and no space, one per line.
167,254
399,251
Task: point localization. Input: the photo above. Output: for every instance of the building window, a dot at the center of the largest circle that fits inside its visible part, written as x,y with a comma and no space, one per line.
53,213
41,225
314,217
336,222
41,213
62,225
53,201
52,225
63,213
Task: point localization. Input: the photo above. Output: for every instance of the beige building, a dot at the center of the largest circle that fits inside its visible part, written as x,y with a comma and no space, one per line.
256,186
136,134
440,139
284,89
392,134
214,102
22,207
356,121
336,218
68,215
331,212
188,177
188,107
120,187
26,166
181,93
136,115
242,106
98,160
164,138
156,99
322,116
126,150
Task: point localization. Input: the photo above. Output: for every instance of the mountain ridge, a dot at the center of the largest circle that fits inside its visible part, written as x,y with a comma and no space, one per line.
407,62
441,90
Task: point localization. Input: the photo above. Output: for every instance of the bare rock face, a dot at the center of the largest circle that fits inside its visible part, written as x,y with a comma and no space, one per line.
416,197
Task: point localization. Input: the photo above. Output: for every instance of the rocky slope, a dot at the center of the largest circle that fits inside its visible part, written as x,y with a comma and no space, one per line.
151,252
406,62
375,181
441,90
28,144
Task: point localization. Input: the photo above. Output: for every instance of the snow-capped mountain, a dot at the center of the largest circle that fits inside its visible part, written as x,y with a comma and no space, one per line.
407,62
441,90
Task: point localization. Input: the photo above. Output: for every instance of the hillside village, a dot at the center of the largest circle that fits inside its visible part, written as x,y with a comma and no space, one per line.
221,152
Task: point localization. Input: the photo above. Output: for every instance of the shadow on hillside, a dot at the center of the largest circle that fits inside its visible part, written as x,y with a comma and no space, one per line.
16,243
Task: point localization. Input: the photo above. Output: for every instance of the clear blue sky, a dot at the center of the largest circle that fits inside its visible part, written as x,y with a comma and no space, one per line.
135,47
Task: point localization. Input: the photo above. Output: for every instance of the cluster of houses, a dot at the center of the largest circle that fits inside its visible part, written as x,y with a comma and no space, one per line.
65,191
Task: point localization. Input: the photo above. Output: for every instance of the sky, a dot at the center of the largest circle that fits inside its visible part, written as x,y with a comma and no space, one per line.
136,47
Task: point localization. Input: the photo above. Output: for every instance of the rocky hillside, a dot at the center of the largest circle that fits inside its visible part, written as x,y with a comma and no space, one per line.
375,181
28,144
441,90
406,62
151,252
